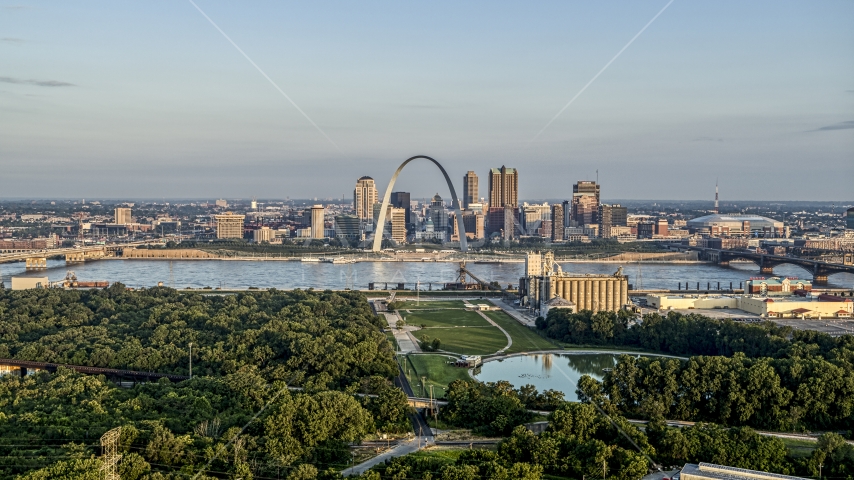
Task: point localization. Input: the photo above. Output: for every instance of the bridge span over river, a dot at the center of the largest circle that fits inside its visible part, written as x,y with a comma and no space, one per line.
818,269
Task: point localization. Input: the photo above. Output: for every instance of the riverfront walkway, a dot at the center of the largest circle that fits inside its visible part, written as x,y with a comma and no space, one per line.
492,322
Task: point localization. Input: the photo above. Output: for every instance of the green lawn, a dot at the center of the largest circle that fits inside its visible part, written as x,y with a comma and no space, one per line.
524,339
466,340
437,371
799,448
444,318
431,304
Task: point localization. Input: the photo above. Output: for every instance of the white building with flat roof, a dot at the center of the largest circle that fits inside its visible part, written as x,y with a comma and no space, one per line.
710,471
821,306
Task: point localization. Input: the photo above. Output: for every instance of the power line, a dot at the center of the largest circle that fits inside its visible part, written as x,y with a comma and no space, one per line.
276,86
600,71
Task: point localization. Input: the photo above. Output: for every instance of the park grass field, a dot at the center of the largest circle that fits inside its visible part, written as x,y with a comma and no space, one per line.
799,448
451,324
437,372
431,304
443,318
484,340
524,339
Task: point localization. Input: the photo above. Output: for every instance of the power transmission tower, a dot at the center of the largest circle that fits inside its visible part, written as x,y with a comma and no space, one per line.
111,457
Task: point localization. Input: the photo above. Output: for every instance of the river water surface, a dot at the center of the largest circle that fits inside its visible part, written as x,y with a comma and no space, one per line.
237,274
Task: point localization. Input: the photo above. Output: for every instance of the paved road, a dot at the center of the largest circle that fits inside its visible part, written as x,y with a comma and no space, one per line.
423,435
398,451
511,310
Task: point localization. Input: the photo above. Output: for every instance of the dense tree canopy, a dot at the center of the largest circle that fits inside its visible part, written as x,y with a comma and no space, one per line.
760,375
495,408
281,380
330,336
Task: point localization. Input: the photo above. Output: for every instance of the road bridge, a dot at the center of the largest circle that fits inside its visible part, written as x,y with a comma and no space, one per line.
22,367
818,269
37,259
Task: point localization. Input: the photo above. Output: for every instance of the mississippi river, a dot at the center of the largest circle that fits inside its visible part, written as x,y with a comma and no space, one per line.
235,274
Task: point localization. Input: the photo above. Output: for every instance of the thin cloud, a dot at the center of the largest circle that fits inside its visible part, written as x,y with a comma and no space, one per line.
38,83
708,139
839,126
16,7
12,40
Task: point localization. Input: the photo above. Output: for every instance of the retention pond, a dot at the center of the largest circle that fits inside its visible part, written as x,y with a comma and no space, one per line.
552,371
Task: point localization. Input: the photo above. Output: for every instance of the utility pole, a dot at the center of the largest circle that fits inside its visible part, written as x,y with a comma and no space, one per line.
191,360
432,403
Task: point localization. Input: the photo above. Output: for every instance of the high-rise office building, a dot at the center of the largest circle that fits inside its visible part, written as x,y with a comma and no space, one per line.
402,200
849,218
474,225
398,224
567,213
557,223
317,221
585,203
470,190
611,216
438,214
229,225
503,187
511,216
347,227
364,198
586,187
123,216
585,210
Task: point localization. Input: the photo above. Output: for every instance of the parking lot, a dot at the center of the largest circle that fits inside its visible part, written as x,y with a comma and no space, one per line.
830,326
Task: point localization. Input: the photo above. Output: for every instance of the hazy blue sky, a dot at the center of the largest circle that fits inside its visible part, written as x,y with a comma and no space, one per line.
147,99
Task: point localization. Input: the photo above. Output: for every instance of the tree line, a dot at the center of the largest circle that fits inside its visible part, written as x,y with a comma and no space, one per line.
306,373
760,375
582,439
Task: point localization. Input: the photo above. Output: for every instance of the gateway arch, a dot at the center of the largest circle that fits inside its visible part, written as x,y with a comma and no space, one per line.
378,236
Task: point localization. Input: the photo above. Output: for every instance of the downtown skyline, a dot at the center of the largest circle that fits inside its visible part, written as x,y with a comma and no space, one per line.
151,100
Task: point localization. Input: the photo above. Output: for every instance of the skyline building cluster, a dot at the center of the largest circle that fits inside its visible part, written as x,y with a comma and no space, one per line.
498,216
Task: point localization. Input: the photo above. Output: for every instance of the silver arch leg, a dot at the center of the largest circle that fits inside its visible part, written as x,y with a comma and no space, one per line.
378,235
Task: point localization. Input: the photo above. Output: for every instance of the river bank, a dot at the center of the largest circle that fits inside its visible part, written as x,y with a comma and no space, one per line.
240,274
404,256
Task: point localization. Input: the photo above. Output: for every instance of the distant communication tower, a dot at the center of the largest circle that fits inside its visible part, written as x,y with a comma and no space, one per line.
716,196
111,457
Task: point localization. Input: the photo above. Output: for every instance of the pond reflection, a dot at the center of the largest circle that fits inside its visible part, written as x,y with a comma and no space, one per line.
543,371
